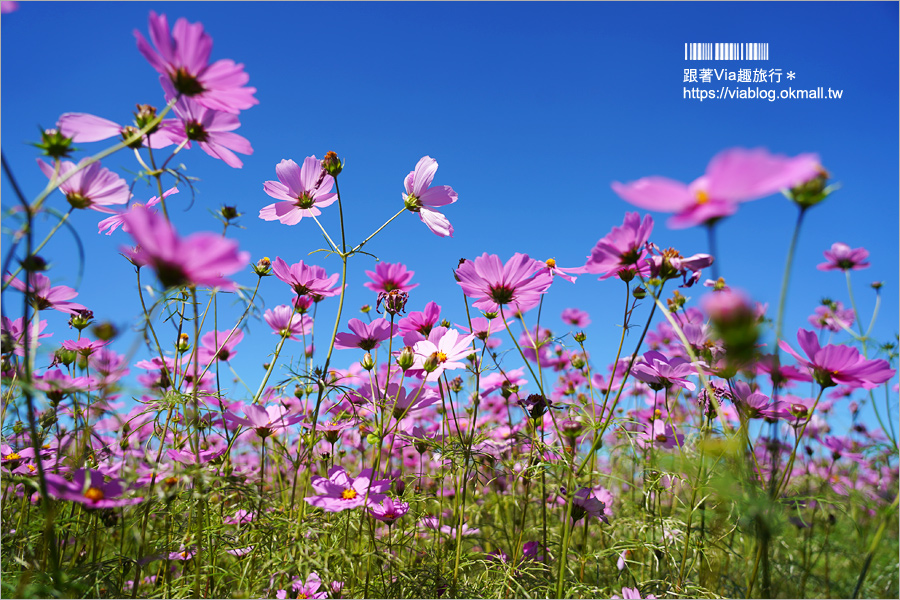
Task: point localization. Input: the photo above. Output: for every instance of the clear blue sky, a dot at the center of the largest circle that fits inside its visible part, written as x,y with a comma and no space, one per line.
530,109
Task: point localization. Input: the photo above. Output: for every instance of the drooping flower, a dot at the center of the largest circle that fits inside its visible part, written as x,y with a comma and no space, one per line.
306,280
567,273
517,283
390,276
287,323
366,336
623,248
202,259
733,176
90,187
182,57
302,191
842,257
340,492
213,130
421,199
585,502
838,364
45,297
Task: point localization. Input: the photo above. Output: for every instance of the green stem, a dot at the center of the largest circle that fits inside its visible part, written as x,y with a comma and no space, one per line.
782,301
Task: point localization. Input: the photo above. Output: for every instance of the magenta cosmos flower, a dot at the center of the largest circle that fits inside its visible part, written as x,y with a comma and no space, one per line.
838,364
366,336
576,317
519,282
585,502
306,280
302,191
389,510
219,345
419,198
44,297
85,128
832,316
659,372
213,130
842,257
390,276
90,187
733,176
442,351
340,492
182,57
90,489
264,420
287,323
202,259
15,330
622,248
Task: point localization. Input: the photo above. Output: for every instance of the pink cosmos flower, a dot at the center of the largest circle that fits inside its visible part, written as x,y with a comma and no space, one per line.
842,257
265,420
756,405
633,594
306,589
433,523
90,489
419,198
201,259
585,502
483,328
576,317
15,329
306,280
389,510
213,130
302,191
390,276
660,435
518,283
420,322
441,353
622,248
287,323
91,187
832,317
660,372
567,273
340,492
44,297
85,128
838,364
84,346
208,351
733,176
367,336
670,264
8,6
182,57
112,223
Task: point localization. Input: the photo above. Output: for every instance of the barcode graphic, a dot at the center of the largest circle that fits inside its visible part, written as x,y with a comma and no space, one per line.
726,51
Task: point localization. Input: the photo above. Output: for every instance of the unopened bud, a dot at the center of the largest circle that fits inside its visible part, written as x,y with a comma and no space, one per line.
104,331
183,344
80,319
406,359
432,362
229,213
580,337
456,384
332,164
365,309
639,293
65,357
54,144
367,363
263,267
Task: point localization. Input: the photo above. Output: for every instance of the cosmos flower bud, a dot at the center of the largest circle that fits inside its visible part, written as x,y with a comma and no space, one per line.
432,362
229,213
367,363
365,309
676,302
639,293
65,357
80,319
55,144
104,331
577,362
580,337
183,344
144,115
406,359
812,191
456,384
263,267
332,164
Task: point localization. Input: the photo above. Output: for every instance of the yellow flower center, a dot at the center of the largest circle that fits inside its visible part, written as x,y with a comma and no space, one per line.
32,468
702,197
442,357
550,262
657,412
13,456
349,494
93,494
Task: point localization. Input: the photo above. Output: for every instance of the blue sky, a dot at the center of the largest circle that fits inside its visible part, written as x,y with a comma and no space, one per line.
531,110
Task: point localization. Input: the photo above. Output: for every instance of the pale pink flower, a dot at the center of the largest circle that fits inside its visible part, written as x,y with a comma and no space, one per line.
302,191
44,297
287,323
439,353
90,187
213,130
421,199
518,283
390,276
842,257
112,223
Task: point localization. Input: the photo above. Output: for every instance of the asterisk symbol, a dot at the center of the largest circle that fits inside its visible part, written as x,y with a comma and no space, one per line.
791,75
